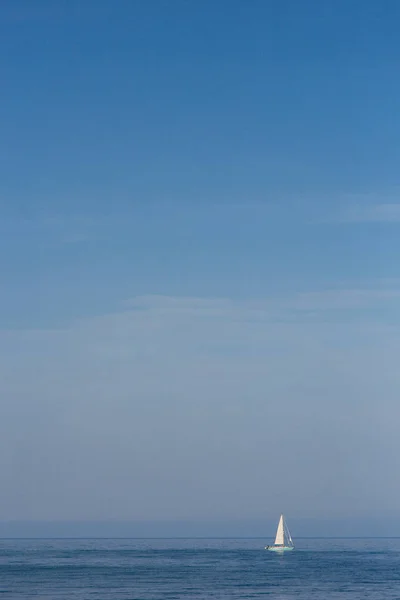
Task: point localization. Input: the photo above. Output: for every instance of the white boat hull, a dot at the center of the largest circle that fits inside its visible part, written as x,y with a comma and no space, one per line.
279,548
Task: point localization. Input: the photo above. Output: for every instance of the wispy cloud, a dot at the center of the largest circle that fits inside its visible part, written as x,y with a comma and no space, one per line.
373,213
343,299
336,304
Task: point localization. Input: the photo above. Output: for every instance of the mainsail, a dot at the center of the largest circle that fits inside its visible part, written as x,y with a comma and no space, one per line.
280,534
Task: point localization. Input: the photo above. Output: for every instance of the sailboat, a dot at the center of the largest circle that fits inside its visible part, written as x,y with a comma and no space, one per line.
283,539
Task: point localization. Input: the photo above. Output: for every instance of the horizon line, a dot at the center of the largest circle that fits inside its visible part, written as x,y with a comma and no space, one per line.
301,537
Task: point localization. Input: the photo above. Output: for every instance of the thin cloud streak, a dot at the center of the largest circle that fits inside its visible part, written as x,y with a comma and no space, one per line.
366,212
379,213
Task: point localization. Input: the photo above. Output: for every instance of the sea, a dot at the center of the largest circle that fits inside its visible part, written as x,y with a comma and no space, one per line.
150,569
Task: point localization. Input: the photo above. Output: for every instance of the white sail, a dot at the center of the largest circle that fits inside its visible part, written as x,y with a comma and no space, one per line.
280,536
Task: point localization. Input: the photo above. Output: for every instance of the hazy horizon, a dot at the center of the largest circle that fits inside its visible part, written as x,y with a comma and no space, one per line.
245,528
200,226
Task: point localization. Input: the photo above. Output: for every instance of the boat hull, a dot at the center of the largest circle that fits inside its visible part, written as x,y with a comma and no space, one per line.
279,548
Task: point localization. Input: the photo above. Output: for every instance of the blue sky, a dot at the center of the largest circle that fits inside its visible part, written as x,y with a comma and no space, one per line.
199,234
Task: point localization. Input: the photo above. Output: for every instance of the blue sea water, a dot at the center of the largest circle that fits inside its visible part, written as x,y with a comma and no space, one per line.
199,569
